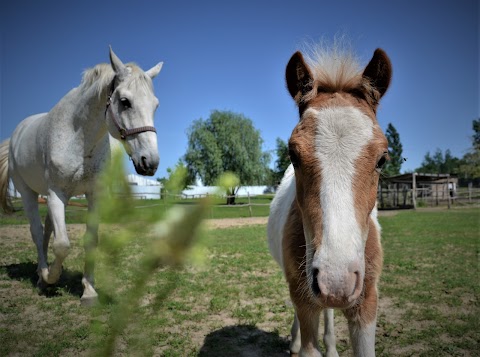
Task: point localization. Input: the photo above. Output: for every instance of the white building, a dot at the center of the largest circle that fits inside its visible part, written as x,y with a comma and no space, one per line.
144,188
242,192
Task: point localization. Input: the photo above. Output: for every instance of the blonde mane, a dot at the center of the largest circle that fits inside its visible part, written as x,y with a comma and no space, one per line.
100,76
336,68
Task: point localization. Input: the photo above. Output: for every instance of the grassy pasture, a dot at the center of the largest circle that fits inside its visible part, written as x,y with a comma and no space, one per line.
236,303
77,214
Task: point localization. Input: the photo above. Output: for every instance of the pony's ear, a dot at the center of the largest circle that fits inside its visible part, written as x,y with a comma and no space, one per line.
152,72
117,65
298,76
379,71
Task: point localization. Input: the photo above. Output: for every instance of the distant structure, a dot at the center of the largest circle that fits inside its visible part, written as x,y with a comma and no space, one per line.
144,188
412,189
244,191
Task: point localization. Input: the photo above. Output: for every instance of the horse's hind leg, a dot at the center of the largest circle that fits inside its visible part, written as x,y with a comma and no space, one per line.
30,206
90,296
61,244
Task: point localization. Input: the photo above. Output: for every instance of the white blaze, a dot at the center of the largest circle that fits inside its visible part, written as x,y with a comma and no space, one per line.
342,133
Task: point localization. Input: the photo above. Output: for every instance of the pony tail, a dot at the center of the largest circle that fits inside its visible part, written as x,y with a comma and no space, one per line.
5,201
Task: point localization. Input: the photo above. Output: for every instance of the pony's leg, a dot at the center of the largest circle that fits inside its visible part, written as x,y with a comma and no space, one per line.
309,326
362,323
296,339
329,335
61,245
90,296
362,318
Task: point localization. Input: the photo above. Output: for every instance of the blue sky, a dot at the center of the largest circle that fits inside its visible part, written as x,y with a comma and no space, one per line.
231,55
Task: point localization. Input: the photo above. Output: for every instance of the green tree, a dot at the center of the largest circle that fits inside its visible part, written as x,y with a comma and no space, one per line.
395,150
469,166
476,134
283,160
226,142
177,178
439,163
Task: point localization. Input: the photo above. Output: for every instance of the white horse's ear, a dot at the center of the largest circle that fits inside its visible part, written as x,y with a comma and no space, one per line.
152,72
117,64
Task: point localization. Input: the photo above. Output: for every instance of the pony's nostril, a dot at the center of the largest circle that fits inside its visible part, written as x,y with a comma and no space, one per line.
144,162
357,283
315,285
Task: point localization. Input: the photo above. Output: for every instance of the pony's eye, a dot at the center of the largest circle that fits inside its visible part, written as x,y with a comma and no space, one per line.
293,158
381,162
125,103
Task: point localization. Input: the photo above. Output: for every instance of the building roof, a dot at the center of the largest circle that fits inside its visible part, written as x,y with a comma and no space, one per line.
419,177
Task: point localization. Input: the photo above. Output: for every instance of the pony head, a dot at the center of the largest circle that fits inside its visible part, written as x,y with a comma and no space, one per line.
337,150
130,113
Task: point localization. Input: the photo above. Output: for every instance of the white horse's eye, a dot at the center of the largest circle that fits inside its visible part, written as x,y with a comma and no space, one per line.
125,103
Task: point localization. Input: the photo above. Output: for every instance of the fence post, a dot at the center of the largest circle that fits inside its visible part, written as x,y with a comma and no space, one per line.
381,196
470,184
165,199
448,190
414,190
249,204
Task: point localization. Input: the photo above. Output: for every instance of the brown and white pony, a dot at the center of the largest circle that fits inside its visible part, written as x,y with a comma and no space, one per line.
323,229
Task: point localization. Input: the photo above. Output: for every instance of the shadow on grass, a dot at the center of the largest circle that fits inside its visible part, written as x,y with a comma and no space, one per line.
71,282
244,340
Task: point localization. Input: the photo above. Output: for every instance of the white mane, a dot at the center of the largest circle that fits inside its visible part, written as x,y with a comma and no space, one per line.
100,76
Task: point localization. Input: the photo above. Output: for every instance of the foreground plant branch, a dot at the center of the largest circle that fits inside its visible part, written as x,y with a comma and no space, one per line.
170,242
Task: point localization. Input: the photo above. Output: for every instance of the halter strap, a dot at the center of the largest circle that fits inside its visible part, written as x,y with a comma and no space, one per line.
124,133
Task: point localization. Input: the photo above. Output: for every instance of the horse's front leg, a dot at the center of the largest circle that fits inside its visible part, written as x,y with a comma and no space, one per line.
308,318
362,320
61,245
329,335
90,296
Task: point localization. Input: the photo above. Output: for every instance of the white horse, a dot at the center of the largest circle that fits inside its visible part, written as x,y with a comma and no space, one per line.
60,153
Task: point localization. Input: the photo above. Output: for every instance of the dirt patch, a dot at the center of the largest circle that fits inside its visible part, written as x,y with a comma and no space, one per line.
251,221
235,222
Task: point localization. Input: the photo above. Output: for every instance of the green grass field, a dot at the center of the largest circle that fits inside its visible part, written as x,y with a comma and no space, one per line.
218,209
236,303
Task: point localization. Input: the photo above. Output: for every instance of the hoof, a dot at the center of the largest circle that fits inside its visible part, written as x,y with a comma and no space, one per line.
49,276
41,285
88,301
332,354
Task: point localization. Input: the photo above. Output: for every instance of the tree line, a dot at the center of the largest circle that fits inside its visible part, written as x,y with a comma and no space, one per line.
466,168
228,142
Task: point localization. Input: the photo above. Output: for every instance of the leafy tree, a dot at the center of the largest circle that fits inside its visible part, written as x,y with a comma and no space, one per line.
469,166
395,149
177,178
226,142
476,134
439,163
282,162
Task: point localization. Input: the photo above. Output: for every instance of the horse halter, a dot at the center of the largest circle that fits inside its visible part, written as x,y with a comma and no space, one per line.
124,133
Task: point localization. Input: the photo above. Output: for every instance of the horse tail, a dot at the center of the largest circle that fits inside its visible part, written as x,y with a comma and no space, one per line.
5,201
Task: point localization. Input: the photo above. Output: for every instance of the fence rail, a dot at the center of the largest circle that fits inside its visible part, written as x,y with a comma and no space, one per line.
259,205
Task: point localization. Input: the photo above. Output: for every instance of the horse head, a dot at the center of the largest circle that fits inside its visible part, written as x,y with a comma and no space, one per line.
337,151
130,113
